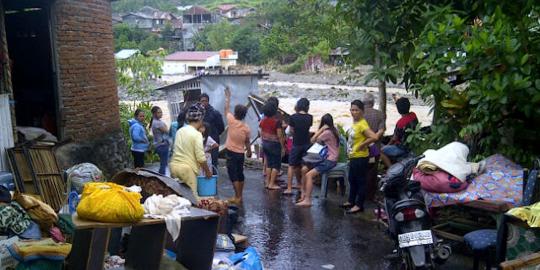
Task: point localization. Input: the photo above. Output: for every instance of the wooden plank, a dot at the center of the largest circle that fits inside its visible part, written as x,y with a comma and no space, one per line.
196,213
89,224
145,247
196,245
89,247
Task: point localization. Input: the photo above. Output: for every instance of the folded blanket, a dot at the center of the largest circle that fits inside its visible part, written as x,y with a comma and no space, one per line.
438,181
41,249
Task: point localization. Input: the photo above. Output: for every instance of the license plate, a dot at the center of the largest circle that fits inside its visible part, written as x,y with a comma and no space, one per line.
415,238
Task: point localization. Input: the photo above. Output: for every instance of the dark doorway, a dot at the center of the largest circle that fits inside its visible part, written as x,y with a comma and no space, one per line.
30,51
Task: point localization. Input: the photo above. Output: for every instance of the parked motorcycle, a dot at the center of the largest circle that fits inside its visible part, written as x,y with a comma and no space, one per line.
409,222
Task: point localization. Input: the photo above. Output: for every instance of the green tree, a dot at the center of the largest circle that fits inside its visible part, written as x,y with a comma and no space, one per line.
215,37
382,33
127,37
135,73
246,41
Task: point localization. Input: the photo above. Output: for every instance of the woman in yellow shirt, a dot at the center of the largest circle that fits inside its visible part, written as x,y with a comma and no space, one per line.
188,152
360,136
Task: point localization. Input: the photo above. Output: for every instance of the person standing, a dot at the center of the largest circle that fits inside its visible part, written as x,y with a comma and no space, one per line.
161,138
360,136
214,118
377,123
326,135
188,155
139,141
273,143
237,143
299,125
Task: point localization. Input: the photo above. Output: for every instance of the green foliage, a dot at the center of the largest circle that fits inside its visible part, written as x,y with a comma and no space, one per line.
127,112
295,66
298,28
135,73
127,37
215,37
495,56
124,6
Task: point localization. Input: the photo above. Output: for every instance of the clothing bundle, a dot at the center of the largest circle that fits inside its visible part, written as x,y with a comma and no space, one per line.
446,170
46,248
170,208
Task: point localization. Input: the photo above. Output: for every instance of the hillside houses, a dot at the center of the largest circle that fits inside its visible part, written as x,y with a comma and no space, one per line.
233,12
153,20
185,26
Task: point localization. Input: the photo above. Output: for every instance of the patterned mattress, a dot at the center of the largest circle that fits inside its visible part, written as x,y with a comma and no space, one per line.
502,181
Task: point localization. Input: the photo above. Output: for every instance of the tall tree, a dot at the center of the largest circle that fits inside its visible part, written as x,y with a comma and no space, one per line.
382,34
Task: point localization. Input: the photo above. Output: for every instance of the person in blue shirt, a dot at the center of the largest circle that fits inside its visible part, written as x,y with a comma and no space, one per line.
139,140
176,125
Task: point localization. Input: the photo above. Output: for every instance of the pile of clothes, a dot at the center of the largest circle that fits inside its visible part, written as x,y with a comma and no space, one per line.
446,170
34,225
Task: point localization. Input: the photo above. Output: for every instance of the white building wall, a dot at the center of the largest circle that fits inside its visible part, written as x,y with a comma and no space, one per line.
213,61
174,67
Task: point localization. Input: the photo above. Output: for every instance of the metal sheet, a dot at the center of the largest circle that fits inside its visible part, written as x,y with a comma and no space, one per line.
6,131
241,88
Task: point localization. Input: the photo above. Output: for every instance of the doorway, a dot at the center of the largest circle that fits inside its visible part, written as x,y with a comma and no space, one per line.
28,37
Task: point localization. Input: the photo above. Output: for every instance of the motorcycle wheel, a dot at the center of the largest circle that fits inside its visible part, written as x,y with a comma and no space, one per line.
407,263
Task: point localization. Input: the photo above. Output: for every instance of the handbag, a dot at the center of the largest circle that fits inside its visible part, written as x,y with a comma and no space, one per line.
316,154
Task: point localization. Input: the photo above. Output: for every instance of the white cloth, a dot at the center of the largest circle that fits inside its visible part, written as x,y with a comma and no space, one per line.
170,208
451,158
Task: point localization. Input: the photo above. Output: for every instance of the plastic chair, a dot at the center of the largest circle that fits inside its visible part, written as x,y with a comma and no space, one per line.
481,242
341,170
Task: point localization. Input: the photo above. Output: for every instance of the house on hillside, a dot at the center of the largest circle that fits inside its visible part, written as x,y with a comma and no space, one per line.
61,78
190,62
153,20
232,12
198,15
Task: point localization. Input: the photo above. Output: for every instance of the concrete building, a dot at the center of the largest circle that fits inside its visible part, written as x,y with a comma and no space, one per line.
190,62
61,78
153,20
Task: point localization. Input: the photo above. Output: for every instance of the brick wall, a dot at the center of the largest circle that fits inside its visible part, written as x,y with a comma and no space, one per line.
86,69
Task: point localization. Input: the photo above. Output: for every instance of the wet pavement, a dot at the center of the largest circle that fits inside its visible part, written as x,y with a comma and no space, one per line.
289,237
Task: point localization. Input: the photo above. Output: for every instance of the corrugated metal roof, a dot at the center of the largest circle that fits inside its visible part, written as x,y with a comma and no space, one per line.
190,56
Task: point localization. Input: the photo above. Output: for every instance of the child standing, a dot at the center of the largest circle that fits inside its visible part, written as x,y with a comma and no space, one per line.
209,144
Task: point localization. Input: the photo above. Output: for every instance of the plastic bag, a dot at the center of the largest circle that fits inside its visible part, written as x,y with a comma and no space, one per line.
83,173
247,260
109,202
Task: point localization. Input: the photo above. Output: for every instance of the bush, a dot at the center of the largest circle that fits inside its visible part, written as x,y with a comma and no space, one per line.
296,66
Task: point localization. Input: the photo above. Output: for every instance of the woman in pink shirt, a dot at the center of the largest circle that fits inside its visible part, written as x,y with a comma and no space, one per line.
326,135
238,134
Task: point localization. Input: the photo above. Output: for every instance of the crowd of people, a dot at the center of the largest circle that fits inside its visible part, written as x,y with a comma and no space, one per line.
190,148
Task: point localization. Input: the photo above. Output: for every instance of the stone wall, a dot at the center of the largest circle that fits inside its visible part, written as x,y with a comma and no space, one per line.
108,153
